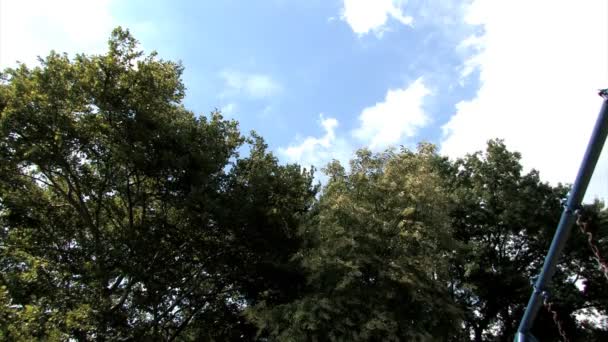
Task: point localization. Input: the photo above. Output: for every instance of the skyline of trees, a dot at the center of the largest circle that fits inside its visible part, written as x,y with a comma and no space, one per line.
124,216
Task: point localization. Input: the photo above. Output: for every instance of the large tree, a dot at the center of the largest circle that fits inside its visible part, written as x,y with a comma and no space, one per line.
504,220
123,215
376,265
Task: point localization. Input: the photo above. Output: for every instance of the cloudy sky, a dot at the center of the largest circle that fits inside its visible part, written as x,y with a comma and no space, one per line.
321,78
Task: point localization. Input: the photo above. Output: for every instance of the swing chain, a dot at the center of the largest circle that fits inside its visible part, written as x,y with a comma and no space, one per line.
584,225
549,306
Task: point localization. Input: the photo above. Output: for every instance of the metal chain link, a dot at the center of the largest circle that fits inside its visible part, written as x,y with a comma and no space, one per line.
583,225
549,306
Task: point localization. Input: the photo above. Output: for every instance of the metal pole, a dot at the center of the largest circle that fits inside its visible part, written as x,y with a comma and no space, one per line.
594,148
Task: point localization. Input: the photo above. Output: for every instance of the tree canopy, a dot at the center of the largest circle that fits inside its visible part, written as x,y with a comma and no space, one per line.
125,216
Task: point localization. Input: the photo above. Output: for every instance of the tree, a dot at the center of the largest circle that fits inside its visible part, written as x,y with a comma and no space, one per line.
505,220
377,270
122,214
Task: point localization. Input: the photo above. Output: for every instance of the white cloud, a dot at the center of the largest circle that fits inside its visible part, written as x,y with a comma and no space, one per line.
540,64
252,85
366,16
229,109
318,151
30,28
400,115
386,123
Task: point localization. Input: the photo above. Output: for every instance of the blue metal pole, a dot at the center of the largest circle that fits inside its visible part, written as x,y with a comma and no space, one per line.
594,148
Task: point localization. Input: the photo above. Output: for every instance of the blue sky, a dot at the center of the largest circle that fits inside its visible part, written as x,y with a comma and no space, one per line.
321,78
276,65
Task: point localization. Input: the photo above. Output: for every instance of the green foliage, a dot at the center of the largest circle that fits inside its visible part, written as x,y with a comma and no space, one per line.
505,220
123,215
377,269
